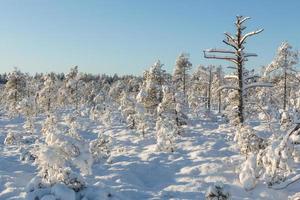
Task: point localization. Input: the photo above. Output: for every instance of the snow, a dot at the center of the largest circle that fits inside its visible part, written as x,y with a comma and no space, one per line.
205,155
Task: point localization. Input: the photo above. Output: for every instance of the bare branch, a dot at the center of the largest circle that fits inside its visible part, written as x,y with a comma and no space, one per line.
231,44
229,36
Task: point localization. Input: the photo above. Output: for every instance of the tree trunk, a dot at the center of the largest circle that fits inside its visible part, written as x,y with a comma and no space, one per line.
219,91
285,85
209,90
240,77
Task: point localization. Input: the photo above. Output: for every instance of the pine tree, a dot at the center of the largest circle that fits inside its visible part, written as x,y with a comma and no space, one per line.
15,88
181,76
48,94
150,94
166,124
283,74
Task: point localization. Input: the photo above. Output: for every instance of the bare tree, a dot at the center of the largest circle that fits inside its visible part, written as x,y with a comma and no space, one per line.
238,57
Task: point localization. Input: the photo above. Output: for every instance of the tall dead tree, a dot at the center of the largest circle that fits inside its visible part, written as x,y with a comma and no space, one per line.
237,56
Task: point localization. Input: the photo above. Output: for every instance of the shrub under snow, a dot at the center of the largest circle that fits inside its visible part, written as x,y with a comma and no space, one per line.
248,174
100,148
56,160
275,161
248,141
11,138
217,192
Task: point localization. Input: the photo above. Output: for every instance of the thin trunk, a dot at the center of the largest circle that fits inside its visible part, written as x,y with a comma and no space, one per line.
209,89
219,92
184,84
285,85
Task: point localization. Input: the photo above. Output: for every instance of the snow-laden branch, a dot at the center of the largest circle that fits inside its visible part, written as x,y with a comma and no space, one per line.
252,76
244,19
250,34
231,77
227,87
254,85
250,54
219,51
232,59
231,67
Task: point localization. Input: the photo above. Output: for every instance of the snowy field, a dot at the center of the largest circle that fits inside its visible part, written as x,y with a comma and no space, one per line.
79,136
205,154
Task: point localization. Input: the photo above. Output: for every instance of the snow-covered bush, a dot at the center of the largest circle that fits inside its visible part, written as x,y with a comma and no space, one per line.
128,111
56,160
248,174
217,192
248,141
142,119
50,124
11,138
100,148
27,108
106,110
275,161
28,155
285,119
181,109
73,126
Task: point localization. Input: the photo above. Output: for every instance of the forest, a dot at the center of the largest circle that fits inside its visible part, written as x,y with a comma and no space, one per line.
201,132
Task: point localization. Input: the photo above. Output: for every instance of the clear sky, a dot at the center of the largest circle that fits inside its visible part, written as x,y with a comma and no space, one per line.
127,36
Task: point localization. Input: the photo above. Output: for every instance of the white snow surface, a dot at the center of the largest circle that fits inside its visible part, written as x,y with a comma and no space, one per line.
204,155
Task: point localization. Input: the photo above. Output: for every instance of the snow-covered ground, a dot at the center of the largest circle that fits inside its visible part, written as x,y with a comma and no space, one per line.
204,154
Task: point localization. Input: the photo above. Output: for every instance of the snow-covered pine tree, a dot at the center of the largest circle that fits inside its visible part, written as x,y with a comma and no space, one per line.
142,119
56,160
27,108
284,76
127,108
217,82
166,126
181,74
48,94
116,90
181,80
150,94
198,90
71,91
15,89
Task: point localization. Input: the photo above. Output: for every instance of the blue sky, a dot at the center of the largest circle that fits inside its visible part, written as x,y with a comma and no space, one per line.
127,36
